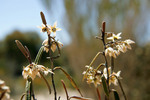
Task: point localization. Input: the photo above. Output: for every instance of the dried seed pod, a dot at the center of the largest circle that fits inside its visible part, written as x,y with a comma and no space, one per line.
43,18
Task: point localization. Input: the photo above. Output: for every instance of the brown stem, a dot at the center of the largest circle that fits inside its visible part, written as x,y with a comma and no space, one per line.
49,88
21,96
2,95
106,63
98,93
52,67
65,89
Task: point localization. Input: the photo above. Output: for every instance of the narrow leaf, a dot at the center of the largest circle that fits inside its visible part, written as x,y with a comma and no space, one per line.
49,88
65,89
22,49
79,98
105,86
29,55
43,18
116,96
70,78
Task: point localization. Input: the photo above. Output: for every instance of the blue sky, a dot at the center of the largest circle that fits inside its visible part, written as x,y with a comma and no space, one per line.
24,15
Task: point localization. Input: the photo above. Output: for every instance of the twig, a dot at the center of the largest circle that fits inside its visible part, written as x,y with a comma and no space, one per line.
98,93
65,89
106,64
52,67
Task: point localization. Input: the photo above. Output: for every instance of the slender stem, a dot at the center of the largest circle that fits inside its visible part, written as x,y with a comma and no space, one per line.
55,93
95,58
98,93
28,88
49,88
99,66
32,90
106,63
122,89
52,67
112,63
67,96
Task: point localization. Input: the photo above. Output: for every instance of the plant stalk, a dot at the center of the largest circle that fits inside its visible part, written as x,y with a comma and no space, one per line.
28,88
52,67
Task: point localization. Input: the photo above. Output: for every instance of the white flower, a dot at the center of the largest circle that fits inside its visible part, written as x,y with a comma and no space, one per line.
4,90
111,52
128,42
112,76
92,75
45,28
115,37
53,46
54,28
122,47
32,70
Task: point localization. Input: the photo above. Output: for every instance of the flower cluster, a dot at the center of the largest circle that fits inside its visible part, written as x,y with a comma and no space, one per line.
33,69
51,29
53,46
4,91
115,46
94,76
112,76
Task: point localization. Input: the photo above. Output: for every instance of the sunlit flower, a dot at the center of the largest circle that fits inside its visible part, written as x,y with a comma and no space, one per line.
115,37
92,76
128,42
45,28
53,46
32,70
111,52
112,76
4,90
121,47
54,28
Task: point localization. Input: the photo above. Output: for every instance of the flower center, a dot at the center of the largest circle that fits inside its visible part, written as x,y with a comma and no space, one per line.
44,29
53,29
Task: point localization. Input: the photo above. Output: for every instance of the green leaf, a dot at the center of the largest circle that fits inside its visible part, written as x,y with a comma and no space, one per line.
38,56
105,86
116,95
